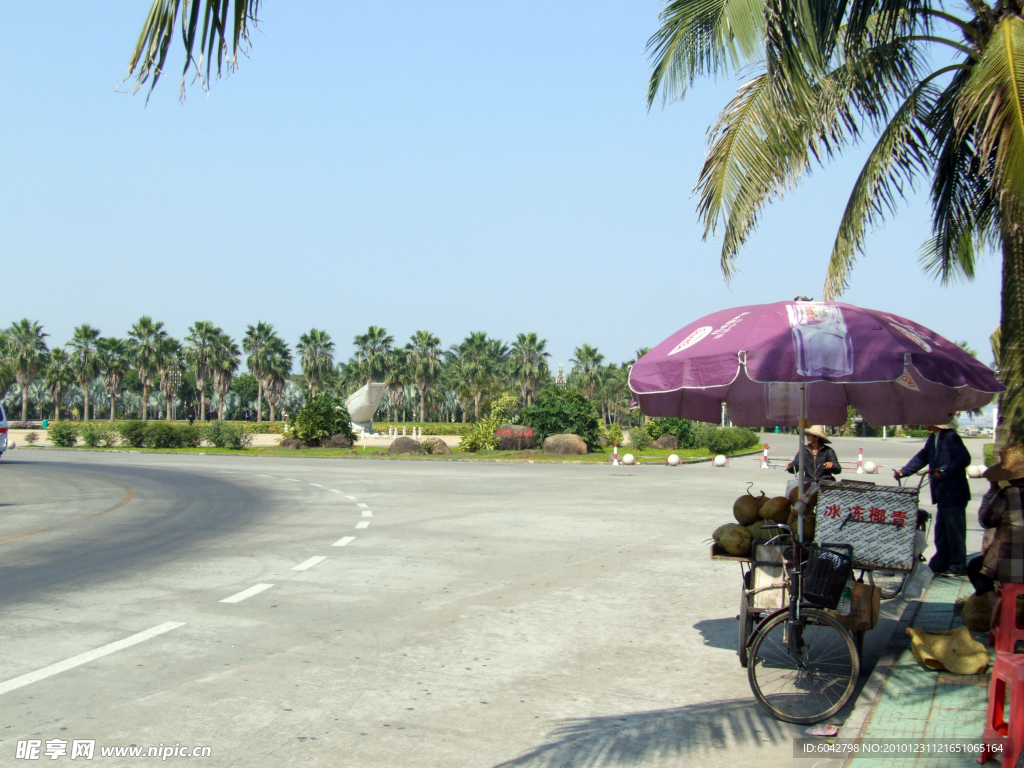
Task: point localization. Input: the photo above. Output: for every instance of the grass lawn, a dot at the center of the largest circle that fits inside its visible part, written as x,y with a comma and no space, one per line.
647,456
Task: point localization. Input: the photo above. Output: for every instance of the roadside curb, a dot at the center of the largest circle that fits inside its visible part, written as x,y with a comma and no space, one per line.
871,693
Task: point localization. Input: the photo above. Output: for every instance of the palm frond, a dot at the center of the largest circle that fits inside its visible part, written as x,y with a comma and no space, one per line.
992,107
703,37
900,154
215,43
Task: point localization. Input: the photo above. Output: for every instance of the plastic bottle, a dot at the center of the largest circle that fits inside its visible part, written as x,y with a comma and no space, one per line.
843,609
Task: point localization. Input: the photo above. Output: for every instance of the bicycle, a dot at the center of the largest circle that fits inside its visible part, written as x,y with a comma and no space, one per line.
803,664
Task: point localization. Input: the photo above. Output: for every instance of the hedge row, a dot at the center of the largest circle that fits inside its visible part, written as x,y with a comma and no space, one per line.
149,434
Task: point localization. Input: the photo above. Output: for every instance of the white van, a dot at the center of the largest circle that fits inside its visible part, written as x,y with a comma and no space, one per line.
3,430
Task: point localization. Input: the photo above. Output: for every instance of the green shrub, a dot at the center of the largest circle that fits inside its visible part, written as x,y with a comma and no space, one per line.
320,419
32,438
653,429
614,434
213,433
482,436
189,435
110,435
133,433
62,434
701,432
160,434
638,438
989,451
730,439
916,432
683,430
557,412
236,438
91,434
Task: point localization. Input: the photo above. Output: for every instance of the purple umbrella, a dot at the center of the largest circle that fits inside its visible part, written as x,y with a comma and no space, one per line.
775,363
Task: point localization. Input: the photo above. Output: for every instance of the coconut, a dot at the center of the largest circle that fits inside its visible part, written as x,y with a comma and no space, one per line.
776,509
745,509
809,520
717,535
736,541
977,614
758,532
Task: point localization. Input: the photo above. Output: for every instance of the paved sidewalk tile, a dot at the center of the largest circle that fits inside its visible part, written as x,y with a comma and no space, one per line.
918,703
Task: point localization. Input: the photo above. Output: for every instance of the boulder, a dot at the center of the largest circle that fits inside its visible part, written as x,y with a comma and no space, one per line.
405,445
291,442
337,441
667,441
604,441
565,445
435,446
515,437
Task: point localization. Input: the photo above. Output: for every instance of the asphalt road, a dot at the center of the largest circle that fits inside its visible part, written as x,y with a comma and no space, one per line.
383,613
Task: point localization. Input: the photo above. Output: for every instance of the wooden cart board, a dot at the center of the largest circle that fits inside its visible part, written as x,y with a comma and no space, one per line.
878,521
717,553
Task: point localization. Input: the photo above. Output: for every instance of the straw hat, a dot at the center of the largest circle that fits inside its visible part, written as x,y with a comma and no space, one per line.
955,651
948,425
1010,466
818,431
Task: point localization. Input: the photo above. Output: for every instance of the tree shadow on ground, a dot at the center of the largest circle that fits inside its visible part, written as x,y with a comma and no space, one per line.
632,739
719,633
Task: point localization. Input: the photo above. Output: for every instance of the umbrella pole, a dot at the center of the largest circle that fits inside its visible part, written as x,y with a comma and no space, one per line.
800,453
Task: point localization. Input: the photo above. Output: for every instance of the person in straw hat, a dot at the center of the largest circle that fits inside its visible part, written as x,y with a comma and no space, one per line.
1002,557
947,460
820,461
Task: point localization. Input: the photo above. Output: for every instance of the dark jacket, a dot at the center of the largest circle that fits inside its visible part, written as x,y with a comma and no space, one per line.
1001,510
814,469
944,452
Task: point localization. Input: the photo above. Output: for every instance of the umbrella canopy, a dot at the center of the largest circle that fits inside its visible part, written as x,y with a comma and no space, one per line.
756,359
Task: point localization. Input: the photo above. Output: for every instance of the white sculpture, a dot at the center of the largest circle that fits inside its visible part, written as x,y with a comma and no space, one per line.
362,404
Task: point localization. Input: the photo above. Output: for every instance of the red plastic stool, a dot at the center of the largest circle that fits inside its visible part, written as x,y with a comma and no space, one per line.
1004,723
1009,631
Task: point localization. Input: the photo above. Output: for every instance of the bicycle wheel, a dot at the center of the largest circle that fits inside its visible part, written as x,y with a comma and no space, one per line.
812,683
890,582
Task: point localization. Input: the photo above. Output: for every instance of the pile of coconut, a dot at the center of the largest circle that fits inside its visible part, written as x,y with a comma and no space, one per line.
752,513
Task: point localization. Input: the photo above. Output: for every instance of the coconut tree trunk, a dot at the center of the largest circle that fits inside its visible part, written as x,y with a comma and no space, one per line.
271,412
202,405
423,401
259,401
24,403
113,400
56,413
476,406
85,391
145,402
1011,352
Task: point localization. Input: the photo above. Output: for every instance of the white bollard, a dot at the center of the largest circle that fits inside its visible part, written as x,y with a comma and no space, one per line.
615,454
673,460
721,461
764,460
885,435
860,461
628,459
403,430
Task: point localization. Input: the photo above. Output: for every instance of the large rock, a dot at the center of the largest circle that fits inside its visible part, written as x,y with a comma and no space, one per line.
404,445
565,445
337,441
291,442
667,441
435,446
516,437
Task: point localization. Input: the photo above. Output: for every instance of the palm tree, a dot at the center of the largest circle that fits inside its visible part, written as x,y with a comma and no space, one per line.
146,340
395,374
317,352
170,372
199,350
423,356
224,362
481,359
821,81
85,360
254,344
586,370
114,365
372,348
529,363
25,354
58,378
278,368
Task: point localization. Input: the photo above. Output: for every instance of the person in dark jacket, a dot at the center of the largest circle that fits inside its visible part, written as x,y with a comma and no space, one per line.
1002,516
820,461
947,460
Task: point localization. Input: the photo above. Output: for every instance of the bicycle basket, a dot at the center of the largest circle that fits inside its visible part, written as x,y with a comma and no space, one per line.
826,573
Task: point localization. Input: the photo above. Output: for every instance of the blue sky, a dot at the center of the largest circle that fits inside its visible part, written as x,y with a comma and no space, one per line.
455,167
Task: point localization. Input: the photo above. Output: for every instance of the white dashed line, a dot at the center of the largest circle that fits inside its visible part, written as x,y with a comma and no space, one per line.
367,513
246,593
344,542
351,498
306,565
316,485
334,490
363,524
88,656
292,480
362,506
